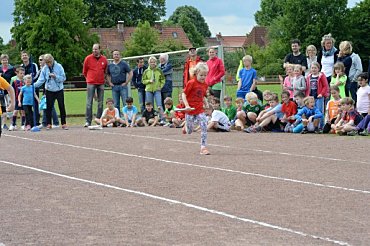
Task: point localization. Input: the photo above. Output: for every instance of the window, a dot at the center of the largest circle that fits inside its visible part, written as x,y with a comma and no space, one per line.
174,34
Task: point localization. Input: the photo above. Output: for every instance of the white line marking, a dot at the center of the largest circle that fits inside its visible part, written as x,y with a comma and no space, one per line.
189,205
200,166
233,147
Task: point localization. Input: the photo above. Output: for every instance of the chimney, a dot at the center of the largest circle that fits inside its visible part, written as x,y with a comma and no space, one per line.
120,25
158,26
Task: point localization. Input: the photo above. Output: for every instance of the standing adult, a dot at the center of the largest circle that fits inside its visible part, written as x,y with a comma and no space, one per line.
94,70
327,56
53,111
53,76
311,54
137,82
296,57
189,68
344,55
119,75
215,73
7,71
32,69
167,70
354,72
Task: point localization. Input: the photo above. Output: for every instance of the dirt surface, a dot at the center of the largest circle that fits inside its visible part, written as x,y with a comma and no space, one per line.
150,186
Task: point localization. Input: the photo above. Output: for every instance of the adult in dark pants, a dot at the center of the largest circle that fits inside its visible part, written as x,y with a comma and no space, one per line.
167,70
53,76
31,68
137,82
345,51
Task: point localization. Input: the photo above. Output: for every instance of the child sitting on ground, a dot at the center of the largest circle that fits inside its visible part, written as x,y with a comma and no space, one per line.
169,111
129,113
251,108
268,119
267,95
179,117
289,109
350,118
310,116
229,108
219,121
332,110
110,116
149,116
363,95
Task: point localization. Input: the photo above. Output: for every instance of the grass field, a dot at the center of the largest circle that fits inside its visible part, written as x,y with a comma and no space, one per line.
76,100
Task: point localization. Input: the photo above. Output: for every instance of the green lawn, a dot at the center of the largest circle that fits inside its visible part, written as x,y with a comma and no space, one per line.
76,100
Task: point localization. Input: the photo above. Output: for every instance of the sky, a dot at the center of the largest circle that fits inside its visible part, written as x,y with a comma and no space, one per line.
231,18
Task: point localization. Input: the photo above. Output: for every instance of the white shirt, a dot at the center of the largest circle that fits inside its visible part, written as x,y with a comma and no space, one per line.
327,63
221,118
363,101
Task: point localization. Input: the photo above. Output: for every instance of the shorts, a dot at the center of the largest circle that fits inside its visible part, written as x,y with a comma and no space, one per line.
275,127
222,128
3,109
16,107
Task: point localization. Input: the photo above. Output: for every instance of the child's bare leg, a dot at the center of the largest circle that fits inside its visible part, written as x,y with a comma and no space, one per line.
252,117
212,126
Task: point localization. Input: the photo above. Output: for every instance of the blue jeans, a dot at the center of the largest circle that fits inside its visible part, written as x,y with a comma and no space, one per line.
119,92
54,117
141,95
89,101
151,96
164,95
319,103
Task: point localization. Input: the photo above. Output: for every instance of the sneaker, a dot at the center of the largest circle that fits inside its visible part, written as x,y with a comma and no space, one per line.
87,124
12,128
40,126
238,128
352,133
55,126
304,131
48,127
64,127
28,127
5,127
287,127
248,129
204,151
110,125
232,127
23,127
364,133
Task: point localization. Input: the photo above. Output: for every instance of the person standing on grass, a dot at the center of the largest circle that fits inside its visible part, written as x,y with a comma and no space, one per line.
194,96
4,85
137,82
167,70
296,57
247,81
216,72
31,69
94,70
53,111
53,76
189,67
119,75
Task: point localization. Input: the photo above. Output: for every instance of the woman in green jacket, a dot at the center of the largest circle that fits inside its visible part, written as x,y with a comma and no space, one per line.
154,80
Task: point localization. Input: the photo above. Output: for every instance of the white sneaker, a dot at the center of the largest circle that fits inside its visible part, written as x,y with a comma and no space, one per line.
110,125
23,127
11,128
55,126
40,126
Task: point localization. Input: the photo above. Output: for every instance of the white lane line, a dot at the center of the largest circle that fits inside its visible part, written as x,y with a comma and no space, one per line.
244,149
199,166
189,205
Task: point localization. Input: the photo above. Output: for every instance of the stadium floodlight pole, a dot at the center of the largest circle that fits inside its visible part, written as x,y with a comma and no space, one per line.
34,128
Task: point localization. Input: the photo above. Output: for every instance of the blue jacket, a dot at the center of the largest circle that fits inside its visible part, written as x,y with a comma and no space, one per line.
167,71
137,78
308,113
51,84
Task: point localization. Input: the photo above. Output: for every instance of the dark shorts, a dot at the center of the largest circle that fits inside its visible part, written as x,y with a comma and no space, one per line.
16,107
275,127
3,109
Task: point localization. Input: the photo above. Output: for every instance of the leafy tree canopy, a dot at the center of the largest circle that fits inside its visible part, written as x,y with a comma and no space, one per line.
56,28
195,17
189,28
108,12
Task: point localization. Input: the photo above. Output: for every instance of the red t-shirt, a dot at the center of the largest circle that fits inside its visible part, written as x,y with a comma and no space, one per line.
289,109
195,92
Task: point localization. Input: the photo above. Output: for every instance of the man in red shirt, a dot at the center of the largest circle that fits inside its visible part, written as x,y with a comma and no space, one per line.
190,63
94,70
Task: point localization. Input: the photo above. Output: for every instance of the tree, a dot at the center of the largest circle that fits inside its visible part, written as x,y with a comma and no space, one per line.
168,45
143,39
56,28
359,19
108,12
189,28
270,10
195,17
